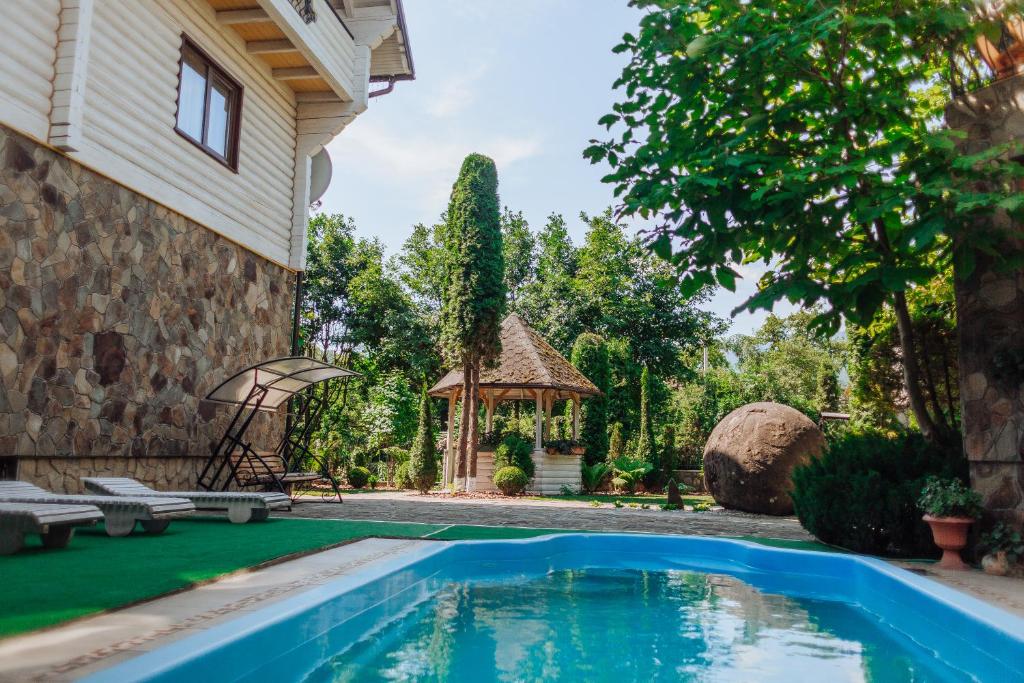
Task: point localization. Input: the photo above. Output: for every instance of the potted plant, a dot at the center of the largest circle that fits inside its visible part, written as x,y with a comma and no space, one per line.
949,508
1005,548
563,447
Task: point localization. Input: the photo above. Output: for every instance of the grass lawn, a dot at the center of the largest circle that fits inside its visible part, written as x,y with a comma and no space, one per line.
608,499
40,588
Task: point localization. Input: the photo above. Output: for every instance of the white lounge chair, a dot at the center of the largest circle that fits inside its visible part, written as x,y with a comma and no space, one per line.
119,513
241,506
54,523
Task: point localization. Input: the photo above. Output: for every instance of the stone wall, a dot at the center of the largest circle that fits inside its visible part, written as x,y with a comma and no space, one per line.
990,316
116,317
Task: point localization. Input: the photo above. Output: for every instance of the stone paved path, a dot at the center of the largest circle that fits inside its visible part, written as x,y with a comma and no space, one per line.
411,507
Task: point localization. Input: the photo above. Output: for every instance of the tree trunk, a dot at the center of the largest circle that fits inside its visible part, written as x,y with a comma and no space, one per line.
938,414
911,369
474,421
460,461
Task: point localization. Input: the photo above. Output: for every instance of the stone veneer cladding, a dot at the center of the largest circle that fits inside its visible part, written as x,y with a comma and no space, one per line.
117,316
990,316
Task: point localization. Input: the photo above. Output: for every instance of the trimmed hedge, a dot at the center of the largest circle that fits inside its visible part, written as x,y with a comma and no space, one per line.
862,493
358,477
511,481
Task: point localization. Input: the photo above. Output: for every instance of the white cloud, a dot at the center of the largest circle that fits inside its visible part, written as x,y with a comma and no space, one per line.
419,164
457,93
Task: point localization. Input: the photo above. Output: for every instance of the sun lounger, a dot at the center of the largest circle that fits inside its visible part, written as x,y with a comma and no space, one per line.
119,513
241,506
54,523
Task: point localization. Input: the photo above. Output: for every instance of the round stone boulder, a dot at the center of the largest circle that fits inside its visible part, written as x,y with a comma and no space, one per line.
751,453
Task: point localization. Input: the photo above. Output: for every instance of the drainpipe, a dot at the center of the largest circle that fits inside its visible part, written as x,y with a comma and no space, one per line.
297,314
296,317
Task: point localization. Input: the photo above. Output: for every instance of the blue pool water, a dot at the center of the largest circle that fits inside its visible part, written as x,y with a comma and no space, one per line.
608,608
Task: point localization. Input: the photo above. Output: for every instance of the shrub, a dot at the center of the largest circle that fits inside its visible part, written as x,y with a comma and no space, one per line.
358,477
373,481
949,498
511,481
629,472
616,442
1004,538
403,479
862,493
422,457
592,477
515,451
702,506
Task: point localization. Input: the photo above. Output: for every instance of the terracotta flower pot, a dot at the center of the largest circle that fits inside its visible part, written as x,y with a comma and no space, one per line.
578,450
950,534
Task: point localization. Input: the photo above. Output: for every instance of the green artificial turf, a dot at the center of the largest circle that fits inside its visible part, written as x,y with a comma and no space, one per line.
94,573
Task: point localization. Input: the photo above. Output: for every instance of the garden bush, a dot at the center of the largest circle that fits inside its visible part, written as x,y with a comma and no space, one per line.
358,477
403,479
862,493
629,472
592,477
511,480
515,451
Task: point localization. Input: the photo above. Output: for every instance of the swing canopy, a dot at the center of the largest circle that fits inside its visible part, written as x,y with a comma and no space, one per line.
265,386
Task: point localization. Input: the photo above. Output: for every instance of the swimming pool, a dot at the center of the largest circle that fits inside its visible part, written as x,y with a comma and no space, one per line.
607,607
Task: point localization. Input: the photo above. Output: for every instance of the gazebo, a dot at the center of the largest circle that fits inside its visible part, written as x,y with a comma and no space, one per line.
528,369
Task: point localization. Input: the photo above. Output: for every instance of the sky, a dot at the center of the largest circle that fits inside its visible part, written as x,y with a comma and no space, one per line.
523,82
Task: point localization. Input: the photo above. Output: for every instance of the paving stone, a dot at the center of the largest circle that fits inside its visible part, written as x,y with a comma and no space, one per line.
437,509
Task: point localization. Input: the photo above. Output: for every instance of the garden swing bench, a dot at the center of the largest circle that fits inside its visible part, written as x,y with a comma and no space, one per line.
264,387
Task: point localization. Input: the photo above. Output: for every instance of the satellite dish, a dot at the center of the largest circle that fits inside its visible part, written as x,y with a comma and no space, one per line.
319,175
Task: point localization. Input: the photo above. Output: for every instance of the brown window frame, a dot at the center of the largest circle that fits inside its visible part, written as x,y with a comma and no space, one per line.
213,72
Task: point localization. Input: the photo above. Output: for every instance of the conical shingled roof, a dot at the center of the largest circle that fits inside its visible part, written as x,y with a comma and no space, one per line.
526,362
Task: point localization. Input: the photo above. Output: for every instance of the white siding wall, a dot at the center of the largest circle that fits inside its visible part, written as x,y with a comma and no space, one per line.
128,127
28,44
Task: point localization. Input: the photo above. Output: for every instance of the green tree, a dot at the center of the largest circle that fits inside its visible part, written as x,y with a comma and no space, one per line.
422,267
548,301
390,414
646,448
330,267
876,382
616,442
519,246
422,458
590,356
827,395
474,296
786,362
804,135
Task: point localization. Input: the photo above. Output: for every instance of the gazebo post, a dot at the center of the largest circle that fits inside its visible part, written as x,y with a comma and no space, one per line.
575,417
539,421
548,405
489,402
449,458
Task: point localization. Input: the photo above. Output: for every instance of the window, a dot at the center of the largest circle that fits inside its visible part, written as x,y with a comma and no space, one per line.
209,105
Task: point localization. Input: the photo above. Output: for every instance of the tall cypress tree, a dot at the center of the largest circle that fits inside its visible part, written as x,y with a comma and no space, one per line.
590,356
646,449
422,460
473,303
